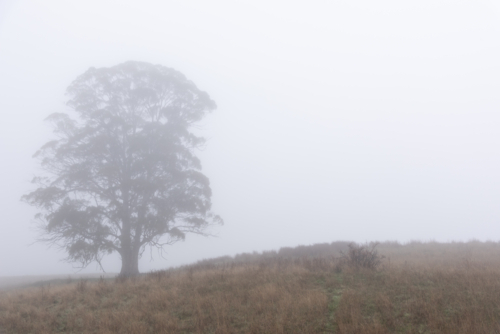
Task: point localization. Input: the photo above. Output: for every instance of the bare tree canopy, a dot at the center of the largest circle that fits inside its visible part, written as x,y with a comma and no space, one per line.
122,174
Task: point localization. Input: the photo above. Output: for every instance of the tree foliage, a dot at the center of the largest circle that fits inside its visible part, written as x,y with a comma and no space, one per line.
122,174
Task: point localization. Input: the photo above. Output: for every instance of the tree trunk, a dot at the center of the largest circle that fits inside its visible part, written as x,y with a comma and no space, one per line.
130,262
130,255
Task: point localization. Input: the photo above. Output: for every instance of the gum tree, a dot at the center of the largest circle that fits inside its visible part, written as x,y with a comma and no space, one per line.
121,174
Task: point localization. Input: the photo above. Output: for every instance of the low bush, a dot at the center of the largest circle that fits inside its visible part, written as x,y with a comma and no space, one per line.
362,256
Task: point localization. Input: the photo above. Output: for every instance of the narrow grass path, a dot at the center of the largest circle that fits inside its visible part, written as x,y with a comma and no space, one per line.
334,296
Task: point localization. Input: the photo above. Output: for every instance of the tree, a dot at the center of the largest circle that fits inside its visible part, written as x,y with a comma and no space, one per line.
122,174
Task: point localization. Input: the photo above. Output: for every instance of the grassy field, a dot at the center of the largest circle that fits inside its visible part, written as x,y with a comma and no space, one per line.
16,282
416,288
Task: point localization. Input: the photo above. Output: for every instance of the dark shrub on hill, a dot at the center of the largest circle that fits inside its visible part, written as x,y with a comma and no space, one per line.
360,256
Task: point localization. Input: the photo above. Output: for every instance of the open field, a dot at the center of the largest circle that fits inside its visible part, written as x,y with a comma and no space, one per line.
15,282
417,288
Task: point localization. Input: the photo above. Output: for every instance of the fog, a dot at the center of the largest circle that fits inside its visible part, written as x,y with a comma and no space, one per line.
336,120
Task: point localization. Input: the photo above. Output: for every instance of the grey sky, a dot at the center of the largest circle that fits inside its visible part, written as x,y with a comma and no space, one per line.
336,120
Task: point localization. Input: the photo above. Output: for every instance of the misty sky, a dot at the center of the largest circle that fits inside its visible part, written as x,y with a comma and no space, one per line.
337,120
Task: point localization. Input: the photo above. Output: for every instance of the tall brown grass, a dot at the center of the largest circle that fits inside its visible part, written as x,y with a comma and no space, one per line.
417,288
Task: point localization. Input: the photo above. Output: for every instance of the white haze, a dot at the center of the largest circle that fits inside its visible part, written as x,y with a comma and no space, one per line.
336,120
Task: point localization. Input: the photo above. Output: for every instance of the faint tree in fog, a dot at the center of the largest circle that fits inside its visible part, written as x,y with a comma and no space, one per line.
122,174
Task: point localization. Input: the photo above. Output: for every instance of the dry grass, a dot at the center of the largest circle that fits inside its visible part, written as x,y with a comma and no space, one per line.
418,288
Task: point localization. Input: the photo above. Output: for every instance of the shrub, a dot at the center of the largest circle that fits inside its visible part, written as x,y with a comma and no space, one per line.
362,256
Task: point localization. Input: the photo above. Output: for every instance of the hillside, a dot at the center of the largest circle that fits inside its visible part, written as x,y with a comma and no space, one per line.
415,288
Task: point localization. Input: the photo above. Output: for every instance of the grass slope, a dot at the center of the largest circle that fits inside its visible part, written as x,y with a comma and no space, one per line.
418,288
